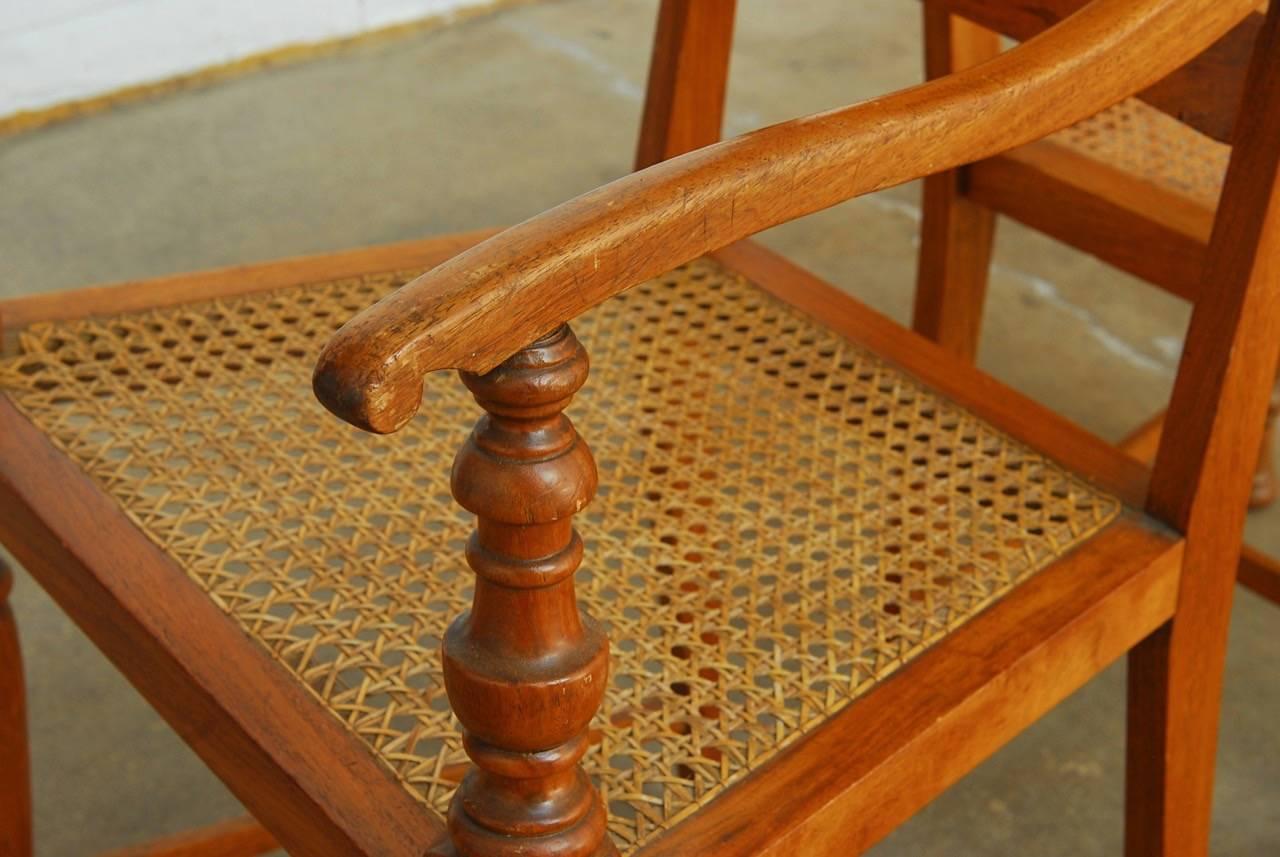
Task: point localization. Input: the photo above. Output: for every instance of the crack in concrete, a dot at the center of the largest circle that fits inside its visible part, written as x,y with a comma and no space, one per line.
1048,292
619,82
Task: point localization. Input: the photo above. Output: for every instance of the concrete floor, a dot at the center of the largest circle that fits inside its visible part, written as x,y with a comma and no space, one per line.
490,122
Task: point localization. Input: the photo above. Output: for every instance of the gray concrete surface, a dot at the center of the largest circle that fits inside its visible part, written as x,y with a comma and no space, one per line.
492,121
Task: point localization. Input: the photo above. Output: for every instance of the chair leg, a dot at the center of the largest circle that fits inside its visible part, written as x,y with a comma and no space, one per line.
15,766
957,233
1264,478
1174,687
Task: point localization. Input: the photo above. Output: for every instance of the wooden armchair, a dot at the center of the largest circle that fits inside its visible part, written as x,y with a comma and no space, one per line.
837,566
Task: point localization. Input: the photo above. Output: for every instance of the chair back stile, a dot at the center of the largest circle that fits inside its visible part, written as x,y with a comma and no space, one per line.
1234,333
958,234
1203,470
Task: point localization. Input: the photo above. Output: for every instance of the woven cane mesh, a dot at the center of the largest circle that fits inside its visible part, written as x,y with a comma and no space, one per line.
1148,143
783,520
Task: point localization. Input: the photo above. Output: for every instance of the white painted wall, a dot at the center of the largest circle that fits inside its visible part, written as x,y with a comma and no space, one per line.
53,51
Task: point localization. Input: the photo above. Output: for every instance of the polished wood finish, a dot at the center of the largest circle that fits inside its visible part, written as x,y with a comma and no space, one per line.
481,306
525,671
241,837
957,234
1205,94
218,689
15,763
1201,482
603,242
688,78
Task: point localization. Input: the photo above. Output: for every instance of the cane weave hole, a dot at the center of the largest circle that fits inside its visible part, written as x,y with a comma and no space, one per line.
783,519
1148,143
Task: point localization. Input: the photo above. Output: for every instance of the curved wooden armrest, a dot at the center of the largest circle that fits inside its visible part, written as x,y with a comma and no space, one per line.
485,304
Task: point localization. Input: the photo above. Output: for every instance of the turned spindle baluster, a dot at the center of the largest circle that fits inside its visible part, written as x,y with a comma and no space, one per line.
525,671
15,776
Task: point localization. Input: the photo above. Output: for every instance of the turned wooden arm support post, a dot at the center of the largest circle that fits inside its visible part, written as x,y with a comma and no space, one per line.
525,671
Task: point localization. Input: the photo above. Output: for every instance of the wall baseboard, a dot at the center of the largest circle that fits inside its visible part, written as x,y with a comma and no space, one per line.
291,54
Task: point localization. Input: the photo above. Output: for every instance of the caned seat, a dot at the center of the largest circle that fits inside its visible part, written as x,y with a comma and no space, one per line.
785,518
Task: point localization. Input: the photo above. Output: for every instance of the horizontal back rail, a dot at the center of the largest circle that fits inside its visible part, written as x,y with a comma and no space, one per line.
1205,93
1115,215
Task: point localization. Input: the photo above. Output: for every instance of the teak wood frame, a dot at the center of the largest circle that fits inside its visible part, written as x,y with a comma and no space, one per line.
870,767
